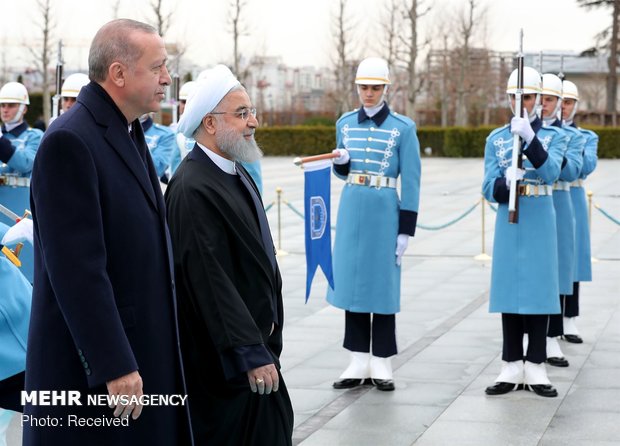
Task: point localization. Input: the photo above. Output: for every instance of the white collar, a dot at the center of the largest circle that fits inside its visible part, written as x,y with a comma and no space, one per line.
226,165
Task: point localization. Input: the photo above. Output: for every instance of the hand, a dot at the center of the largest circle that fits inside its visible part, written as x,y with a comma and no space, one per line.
129,385
522,127
19,232
402,241
513,174
343,156
264,379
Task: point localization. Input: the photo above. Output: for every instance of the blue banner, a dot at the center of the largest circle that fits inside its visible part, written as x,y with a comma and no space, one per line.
318,222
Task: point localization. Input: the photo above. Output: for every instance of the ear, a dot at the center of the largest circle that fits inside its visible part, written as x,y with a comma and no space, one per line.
208,122
116,74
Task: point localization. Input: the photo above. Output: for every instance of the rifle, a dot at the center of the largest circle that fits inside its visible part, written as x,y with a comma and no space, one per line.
517,159
56,103
176,87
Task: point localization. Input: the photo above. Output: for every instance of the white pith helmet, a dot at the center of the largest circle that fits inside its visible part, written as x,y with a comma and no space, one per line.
373,71
14,93
551,85
186,90
570,91
73,84
531,81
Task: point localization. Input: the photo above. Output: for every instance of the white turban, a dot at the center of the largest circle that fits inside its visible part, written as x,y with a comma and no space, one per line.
208,92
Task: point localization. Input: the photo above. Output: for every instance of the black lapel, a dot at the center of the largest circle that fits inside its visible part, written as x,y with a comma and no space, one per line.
117,136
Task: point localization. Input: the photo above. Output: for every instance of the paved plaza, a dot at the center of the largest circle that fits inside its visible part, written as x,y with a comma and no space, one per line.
449,344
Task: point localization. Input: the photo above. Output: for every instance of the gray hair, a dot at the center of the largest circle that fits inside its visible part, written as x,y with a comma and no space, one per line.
112,43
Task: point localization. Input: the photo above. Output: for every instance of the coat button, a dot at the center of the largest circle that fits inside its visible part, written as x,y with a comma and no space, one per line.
79,352
370,138
85,365
88,372
367,149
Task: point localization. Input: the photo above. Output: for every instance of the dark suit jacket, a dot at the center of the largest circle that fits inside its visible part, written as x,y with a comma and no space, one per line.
103,298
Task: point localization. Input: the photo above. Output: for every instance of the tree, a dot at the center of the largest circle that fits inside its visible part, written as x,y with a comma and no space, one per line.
465,28
413,11
342,31
162,21
41,55
612,32
238,29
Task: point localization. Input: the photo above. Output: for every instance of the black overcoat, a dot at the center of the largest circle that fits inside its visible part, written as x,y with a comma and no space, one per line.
230,294
103,298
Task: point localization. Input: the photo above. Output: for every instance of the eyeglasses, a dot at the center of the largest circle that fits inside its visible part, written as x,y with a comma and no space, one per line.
243,114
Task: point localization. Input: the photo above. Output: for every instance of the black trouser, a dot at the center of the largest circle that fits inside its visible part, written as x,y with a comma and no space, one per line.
571,307
514,326
359,330
556,321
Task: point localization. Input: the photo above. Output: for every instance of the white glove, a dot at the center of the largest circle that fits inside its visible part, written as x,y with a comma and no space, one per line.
19,232
514,174
402,241
522,127
343,156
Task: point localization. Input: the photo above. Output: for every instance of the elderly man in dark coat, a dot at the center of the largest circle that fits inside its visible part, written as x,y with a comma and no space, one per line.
103,309
228,281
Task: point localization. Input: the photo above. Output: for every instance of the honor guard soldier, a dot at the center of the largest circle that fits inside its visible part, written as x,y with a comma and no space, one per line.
18,147
583,259
14,318
376,146
565,216
524,279
69,91
184,145
71,88
161,142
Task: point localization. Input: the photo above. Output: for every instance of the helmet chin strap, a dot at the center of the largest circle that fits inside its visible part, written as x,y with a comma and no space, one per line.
531,115
18,116
371,111
569,119
554,115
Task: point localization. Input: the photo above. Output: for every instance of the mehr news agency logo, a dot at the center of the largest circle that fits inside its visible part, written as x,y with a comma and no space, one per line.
74,398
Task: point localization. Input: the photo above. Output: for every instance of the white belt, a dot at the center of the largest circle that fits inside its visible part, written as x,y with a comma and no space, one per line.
535,190
371,180
562,185
14,181
577,183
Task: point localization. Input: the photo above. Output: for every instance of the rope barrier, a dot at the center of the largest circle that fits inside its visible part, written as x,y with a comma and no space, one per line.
430,228
607,214
450,223
482,256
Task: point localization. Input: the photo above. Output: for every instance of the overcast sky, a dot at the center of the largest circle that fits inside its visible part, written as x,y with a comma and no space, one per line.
297,30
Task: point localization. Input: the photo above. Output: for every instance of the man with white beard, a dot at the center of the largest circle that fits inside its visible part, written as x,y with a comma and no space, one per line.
228,283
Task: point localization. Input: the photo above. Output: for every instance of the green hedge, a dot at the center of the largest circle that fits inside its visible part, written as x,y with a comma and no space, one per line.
455,142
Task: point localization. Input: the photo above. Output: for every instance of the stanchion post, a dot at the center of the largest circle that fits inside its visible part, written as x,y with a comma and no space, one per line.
280,251
589,194
483,255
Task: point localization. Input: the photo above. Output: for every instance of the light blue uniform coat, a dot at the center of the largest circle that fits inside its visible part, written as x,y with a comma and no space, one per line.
25,143
524,277
15,298
583,257
565,216
161,142
366,278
